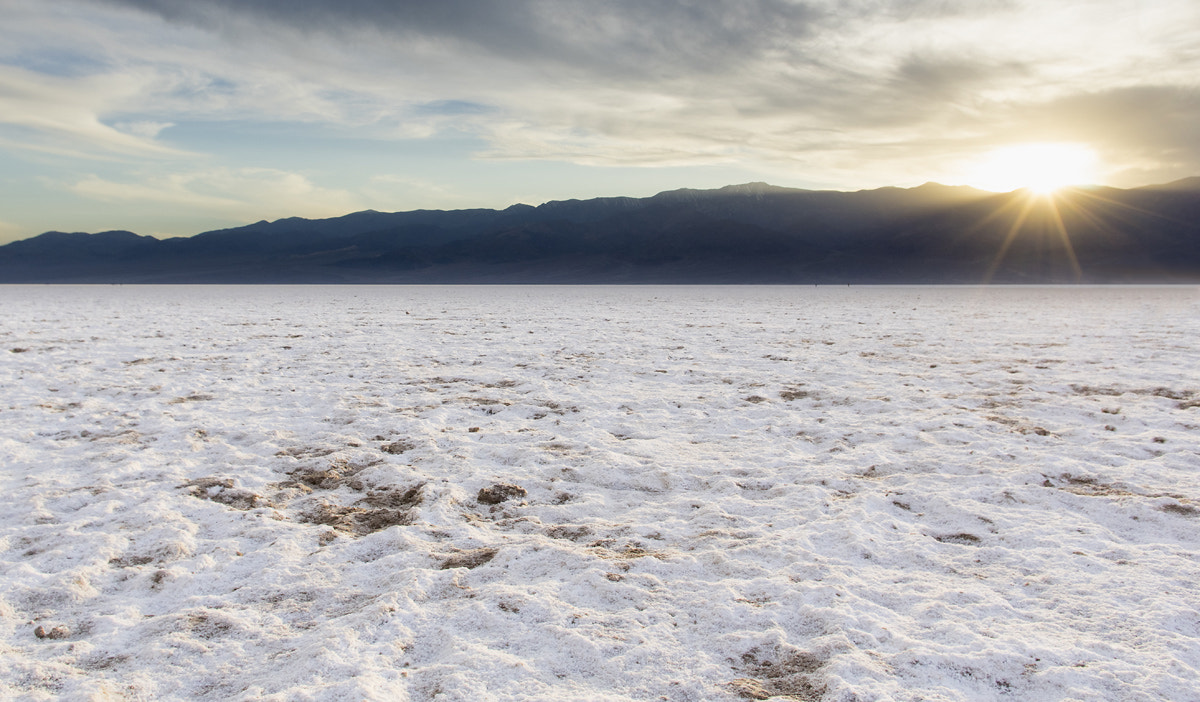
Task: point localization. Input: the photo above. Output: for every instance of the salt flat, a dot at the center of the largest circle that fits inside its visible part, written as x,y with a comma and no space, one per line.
687,493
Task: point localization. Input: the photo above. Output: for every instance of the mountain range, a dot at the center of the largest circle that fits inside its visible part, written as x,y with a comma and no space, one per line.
751,233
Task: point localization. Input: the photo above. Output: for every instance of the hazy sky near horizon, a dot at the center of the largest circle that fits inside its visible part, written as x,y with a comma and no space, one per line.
169,117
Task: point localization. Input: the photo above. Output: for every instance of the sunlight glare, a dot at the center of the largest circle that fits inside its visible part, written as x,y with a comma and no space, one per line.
1042,168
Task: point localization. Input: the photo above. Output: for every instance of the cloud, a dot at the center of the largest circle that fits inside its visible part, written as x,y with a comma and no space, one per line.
390,191
677,81
144,128
1153,130
1154,116
628,37
239,194
64,113
848,92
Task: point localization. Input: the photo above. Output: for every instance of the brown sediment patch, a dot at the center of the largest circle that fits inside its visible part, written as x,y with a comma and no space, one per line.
1088,486
305,452
502,384
339,472
472,558
394,498
790,395
130,561
197,397
354,520
379,510
603,549
500,492
330,478
208,625
58,632
964,539
569,532
223,491
398,447
792,677
1186,398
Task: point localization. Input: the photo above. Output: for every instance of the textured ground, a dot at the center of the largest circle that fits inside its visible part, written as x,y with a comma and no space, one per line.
599,493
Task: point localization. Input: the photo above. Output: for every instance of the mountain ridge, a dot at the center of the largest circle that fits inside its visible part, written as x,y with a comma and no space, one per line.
743,233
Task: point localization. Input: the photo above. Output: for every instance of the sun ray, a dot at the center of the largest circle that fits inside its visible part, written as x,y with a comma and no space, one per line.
995,214
1052,224
1089,214
1131,208
1045,182
1066,239
1013,231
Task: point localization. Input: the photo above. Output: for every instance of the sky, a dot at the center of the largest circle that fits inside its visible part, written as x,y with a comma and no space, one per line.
172,117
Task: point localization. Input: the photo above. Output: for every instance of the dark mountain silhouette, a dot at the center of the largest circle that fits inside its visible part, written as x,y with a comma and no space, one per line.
752,233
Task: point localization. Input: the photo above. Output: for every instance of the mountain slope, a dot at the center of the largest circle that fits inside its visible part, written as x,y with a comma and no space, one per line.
751,233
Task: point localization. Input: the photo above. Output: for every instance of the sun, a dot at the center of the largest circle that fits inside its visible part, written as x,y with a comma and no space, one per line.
1041,168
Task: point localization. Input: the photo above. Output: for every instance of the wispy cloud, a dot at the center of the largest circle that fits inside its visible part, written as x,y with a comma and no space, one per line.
629,82
384,189
64,113
239,194
144,128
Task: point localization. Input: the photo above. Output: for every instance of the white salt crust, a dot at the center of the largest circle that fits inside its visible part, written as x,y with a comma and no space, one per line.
810,493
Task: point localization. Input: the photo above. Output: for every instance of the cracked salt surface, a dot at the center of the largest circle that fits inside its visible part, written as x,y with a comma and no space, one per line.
710,493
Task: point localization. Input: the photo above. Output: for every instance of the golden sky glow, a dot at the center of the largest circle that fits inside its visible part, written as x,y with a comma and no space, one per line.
1042,168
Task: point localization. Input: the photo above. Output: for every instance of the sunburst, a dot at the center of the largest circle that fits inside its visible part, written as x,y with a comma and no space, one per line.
1045,174
1041,168
1049,219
